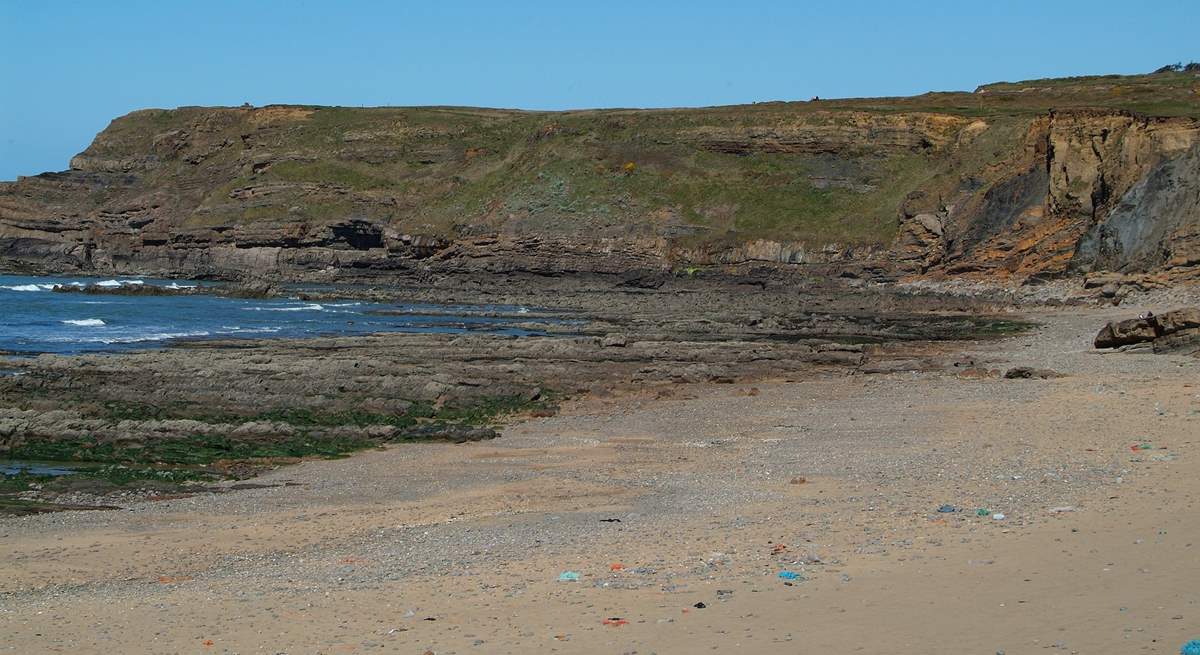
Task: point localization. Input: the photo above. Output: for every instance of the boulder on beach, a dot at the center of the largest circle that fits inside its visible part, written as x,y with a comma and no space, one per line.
1124,333
1174,331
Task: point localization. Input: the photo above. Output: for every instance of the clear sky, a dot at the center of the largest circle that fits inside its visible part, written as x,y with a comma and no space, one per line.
67,68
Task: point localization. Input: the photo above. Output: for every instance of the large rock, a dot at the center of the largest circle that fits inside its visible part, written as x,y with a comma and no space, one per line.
1123,333
1183,342
1173,331
920,243
1179,320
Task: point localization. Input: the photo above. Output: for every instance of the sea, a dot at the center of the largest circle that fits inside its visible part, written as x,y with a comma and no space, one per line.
34,318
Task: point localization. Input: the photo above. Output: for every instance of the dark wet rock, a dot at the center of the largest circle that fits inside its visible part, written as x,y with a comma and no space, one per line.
23,508
1030,373
125,290
643,280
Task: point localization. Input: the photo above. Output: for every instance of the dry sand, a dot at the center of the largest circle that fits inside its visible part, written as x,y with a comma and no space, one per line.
458,548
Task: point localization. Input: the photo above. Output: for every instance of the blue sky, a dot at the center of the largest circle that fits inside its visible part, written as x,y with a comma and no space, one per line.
68,68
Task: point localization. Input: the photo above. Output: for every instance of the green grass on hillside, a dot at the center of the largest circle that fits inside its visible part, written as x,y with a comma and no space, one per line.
618,172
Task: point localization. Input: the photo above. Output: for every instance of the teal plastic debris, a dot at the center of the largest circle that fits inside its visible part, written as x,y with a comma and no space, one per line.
1191,648
568,576
792,575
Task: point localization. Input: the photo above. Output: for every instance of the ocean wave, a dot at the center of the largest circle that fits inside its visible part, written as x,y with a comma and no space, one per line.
237,329
130,338
111,284
30,287
314,307
158,336
176,286
161,336
86,322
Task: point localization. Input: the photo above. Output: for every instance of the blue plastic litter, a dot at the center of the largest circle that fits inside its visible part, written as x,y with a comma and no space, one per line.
568,576
1191,648
792,575
946,509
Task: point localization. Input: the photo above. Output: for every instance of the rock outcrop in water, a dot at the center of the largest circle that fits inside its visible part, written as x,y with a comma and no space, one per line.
1023,180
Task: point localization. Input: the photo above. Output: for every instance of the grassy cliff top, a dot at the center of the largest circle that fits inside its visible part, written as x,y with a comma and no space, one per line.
828,171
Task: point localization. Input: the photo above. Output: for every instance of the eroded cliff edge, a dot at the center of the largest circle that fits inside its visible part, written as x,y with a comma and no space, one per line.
1013,181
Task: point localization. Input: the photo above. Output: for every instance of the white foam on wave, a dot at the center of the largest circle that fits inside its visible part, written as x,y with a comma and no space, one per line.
237,329
314,307
30,287
133,338
86,322
159,336
176,286
112,284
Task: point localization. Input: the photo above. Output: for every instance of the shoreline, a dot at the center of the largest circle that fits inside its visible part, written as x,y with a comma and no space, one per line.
284,397
706,481
180,416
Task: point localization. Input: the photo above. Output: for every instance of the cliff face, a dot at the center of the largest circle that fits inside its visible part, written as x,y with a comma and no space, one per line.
1088,190
1006,181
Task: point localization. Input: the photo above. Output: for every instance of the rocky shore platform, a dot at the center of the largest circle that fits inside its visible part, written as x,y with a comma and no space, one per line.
674,467
178,419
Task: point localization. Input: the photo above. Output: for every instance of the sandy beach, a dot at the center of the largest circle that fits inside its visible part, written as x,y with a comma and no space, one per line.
679,508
